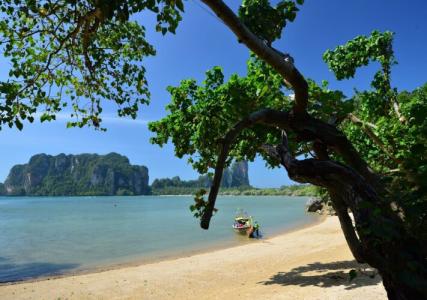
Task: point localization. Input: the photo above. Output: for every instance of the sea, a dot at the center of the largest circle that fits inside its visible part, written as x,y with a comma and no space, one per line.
51,236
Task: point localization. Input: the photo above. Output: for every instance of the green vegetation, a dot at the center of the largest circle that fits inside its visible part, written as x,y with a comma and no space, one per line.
367,151
75,54
292,190
72,175
388,128
234,177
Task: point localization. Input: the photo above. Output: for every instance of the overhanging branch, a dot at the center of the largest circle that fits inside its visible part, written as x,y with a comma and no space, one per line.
261,116
307,128
303,125
273,57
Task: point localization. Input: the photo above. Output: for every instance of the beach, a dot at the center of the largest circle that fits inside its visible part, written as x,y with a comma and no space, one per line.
310,263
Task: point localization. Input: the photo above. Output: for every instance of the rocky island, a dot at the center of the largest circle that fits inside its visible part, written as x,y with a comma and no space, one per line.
76,175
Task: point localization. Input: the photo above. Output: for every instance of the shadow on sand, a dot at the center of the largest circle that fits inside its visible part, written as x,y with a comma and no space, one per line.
11,272
327,275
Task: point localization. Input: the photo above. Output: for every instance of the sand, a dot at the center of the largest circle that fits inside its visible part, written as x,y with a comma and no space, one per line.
310,263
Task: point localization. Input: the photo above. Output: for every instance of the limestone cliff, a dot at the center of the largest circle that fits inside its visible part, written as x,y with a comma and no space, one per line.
83,174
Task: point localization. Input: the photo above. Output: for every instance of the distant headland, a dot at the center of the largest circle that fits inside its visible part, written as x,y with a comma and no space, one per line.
113,175
76,175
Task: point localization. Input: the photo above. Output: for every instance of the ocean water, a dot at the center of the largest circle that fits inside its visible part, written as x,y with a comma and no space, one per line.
46,236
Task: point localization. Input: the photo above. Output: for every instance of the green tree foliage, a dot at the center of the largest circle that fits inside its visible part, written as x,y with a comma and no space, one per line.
199,115
2,189
235,178
176,182
388,128
345,59
264,20
76,54
293,190
199,206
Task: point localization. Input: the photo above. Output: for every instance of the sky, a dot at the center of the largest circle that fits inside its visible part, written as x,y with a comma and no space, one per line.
202,42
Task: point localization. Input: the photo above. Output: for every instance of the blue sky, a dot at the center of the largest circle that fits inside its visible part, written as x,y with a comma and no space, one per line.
202,42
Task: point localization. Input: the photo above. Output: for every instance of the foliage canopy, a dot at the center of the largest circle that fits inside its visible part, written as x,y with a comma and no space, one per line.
76,54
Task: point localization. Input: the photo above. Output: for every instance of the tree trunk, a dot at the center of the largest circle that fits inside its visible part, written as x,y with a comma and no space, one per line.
384,242
348,229
398,291
342,210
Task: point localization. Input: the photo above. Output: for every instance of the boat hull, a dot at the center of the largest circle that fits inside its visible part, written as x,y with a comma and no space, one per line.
241,230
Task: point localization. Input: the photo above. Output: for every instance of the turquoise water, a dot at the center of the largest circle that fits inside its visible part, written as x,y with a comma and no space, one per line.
45,236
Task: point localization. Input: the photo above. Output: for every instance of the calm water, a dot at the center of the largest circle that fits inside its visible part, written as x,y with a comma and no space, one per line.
43,236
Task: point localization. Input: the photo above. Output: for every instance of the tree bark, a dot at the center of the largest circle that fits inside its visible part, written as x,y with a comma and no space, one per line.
385,244
341,210
283,66
348,229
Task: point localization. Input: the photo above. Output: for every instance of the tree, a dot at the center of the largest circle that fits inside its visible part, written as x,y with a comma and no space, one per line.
378,180
94,50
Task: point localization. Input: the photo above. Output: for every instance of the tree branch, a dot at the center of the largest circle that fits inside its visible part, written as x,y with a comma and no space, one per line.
316,129
367,128
357,121
273,57
341,209
256,117
348,228
307,128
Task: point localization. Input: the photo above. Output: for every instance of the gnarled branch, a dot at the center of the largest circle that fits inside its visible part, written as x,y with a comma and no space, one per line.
273,57
306,128
256,117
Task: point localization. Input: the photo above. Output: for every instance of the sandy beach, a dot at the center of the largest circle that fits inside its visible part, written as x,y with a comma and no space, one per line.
310,263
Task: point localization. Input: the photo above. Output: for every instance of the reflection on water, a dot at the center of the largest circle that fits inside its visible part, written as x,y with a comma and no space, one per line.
42,236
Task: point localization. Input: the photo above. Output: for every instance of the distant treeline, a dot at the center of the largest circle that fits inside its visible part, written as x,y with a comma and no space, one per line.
235,176
292,190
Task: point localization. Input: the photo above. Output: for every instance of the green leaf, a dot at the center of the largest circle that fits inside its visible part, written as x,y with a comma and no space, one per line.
18,124
180,5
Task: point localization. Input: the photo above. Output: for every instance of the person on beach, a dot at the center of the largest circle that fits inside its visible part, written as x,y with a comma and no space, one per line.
251,232
256,229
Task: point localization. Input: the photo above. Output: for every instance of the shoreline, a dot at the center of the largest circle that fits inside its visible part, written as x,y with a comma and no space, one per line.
308,263
166,257
151,195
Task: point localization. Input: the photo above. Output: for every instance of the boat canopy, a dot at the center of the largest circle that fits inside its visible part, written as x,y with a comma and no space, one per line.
242,218
240,213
